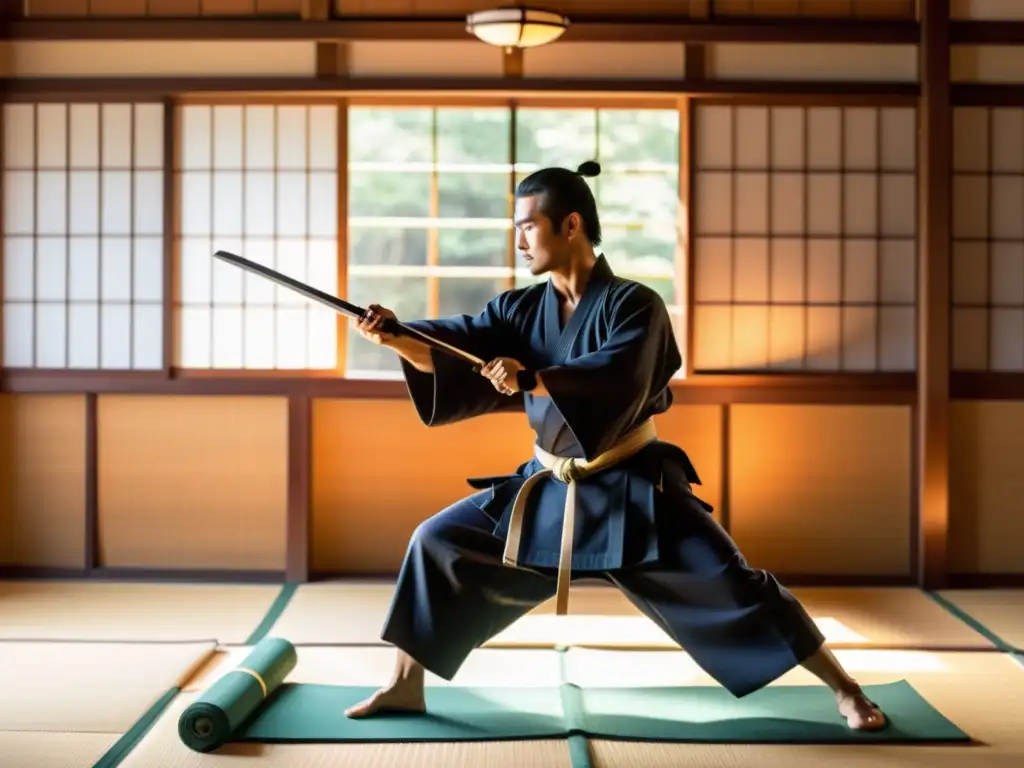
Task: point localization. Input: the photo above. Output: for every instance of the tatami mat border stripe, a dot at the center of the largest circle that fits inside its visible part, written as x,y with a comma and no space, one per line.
273,613
123,746
107,641
579,751
572,708
642,647
974,624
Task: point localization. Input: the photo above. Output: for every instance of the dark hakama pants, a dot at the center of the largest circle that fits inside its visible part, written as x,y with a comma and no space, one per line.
737,623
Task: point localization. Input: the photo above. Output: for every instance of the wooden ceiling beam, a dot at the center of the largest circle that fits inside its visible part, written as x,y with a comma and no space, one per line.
582,29
759,92
986,32
987,95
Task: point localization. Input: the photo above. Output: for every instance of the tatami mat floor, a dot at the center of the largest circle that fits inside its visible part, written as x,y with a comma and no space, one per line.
82,662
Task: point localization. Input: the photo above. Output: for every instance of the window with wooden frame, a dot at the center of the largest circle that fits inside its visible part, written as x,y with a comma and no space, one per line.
426,201
805,237
260,180
83,283
988,239
430,192
429,216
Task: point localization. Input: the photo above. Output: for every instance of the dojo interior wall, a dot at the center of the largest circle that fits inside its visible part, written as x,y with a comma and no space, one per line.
197,481
200,481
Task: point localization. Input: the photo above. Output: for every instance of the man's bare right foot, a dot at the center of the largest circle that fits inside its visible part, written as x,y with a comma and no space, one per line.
400,696
860,713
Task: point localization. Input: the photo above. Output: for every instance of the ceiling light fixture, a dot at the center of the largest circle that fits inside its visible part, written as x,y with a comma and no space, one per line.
517,27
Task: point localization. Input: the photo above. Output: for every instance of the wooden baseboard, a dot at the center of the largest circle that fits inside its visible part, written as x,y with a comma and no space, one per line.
41,572
230,576
845,580
985,581
789,580
180,575
703,388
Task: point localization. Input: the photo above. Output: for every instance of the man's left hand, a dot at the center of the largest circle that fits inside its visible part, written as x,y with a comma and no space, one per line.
501,372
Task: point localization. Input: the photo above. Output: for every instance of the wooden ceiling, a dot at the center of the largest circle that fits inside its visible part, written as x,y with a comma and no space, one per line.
860,9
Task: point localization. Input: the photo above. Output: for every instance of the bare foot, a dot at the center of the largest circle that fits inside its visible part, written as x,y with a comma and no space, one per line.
860,713
400,696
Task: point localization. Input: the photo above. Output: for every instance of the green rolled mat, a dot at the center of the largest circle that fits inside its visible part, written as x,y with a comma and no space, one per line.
214,718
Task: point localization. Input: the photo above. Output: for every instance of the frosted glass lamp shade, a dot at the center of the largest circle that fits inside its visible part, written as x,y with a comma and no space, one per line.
517,27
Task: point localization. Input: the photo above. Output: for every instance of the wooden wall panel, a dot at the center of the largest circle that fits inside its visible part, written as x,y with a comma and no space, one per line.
697,429
378,473
6,59
384,8
82,58
811,8
823,490
986,487
193,482
987,63
861,9
42,480
605,60
180,8
837,63
753,61
385,58
986,9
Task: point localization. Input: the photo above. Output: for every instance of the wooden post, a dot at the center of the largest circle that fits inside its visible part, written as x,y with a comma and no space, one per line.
933,295
300,463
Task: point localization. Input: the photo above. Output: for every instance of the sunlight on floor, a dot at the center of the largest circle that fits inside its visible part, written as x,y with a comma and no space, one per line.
837,632
542,629
624,631
621,668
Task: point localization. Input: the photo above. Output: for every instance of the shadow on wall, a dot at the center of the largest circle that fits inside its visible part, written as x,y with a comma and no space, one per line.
849,339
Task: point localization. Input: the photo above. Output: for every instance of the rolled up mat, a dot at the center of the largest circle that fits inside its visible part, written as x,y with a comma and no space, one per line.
213,719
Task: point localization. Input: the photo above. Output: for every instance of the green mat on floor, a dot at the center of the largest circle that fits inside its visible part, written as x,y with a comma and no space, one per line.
798,714
254,703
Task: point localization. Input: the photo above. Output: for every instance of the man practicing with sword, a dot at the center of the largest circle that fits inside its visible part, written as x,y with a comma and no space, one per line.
593,355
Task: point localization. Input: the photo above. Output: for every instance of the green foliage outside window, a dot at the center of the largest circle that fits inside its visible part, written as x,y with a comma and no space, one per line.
437,183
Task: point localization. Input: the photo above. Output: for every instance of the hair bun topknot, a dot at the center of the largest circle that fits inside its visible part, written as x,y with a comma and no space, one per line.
589,168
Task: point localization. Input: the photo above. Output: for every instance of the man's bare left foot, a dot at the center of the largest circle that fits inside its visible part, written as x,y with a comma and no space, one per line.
404,694
860,713
400,696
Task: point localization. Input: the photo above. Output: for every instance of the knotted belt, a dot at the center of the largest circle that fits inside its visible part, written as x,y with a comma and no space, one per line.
568,471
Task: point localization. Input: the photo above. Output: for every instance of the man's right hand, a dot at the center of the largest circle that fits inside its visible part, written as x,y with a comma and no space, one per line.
369,324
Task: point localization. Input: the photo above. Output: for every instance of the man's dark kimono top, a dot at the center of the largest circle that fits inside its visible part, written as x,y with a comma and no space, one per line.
606,371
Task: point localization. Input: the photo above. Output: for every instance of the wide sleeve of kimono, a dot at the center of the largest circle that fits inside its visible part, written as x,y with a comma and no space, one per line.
601,394
454,392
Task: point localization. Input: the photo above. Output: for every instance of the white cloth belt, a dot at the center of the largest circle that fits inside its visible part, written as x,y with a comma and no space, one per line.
568,471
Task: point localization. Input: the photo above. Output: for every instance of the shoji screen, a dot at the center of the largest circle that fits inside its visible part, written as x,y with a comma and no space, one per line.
83,236
804,241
